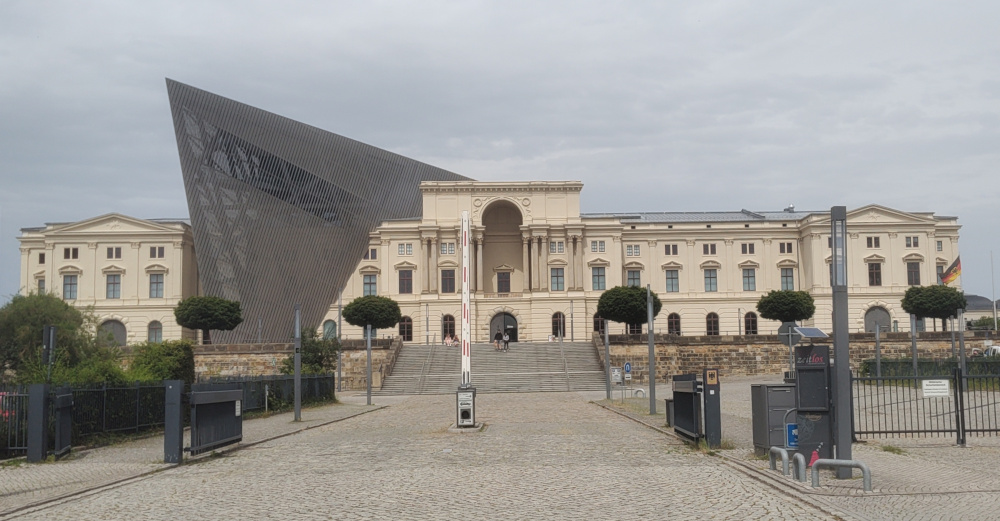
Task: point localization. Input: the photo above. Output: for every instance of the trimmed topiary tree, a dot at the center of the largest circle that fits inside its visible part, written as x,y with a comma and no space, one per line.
626,304
207,313
933,301
786,306
378,312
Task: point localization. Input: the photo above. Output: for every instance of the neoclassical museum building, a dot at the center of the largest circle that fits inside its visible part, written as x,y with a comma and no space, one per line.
283,214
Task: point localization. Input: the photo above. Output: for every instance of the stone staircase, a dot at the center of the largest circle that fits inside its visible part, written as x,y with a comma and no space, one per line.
526,367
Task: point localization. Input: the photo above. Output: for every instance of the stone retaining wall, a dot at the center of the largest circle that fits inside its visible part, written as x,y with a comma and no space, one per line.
760,354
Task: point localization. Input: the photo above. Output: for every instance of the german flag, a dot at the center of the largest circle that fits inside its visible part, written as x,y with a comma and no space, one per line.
952,272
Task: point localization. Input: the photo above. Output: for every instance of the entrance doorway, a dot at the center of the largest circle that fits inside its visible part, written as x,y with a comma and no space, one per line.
504,322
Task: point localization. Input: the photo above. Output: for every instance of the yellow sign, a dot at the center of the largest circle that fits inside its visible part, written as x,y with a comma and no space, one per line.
712,377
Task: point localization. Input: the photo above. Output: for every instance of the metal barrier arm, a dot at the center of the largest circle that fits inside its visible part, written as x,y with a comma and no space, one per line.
841,463
799,467
784,459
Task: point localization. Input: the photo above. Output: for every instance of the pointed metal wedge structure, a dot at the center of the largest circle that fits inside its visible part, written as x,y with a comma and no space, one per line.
281,210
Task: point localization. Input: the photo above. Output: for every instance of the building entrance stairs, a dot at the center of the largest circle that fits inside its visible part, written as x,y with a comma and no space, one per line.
526,367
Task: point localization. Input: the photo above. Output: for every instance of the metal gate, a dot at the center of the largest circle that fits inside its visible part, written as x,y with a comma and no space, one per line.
13,421
942,405
63,413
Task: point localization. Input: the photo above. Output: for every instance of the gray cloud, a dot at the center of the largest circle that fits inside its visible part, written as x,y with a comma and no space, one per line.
654,106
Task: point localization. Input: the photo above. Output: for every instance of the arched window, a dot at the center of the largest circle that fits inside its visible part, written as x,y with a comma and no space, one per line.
635,329
111,333
673,324
599,324
329,330
406,329
155,332
712,324
447,326
750,323
558,324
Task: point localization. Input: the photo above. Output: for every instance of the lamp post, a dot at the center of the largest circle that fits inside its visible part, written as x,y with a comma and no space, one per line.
841,345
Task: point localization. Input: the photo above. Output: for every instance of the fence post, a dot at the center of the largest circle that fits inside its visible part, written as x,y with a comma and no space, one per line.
960,406
38,422
173,422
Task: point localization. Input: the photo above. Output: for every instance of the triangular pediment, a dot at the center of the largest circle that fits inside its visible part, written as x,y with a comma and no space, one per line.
634,265
370,269
913,257
448,264
599,262
874,259
557,262
747,264
504,267
941,260
113,268
111,224
877,214
405,265
672,265
787,263
710,265
156,268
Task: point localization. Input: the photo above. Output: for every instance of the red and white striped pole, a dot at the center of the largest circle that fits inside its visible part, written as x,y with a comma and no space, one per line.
466,310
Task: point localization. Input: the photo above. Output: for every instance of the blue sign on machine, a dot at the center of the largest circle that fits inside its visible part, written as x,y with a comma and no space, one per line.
628,367
792,435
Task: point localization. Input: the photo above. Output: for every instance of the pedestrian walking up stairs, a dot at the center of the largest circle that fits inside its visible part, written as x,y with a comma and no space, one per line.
526,367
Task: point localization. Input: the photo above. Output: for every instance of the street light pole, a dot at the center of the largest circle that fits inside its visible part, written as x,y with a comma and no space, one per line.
841,344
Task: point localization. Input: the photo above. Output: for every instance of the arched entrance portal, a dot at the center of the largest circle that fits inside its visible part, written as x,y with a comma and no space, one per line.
504,322
877,315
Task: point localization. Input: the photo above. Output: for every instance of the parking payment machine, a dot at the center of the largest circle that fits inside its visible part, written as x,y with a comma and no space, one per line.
813,400
465,407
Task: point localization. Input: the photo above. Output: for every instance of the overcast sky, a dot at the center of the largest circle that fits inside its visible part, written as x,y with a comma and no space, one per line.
655,106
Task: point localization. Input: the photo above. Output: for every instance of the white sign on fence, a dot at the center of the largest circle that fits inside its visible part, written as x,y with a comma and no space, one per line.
935,388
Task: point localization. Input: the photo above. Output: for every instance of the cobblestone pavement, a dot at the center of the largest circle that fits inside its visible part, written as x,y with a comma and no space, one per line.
24,485
912,478
540,456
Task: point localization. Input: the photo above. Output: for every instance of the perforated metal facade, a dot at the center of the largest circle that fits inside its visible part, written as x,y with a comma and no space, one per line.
281,211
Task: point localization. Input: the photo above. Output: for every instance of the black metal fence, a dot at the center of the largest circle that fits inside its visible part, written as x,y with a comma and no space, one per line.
132,408
927,405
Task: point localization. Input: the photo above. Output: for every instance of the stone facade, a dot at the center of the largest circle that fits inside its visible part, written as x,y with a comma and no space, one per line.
753,355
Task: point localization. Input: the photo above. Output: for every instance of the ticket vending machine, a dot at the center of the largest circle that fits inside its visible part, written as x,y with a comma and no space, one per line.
813,400
465,407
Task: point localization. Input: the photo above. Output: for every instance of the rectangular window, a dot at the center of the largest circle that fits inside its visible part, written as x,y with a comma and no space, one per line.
785,247
114,289
41,257
670,249
708,249
447,248
405,248
503,282
872,242
406,282
673,281
940,273
155,285
912,241
156,252
598,281
940,246
787,279
747,248
114,252
447,281
597,246
71,253
913,273
557,247
749,279
711,280
372,253
633,277
632,250
558,282
874,274
41,286
369,285
69,287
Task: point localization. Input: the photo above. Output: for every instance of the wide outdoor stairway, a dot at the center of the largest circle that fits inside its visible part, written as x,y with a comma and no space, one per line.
526,367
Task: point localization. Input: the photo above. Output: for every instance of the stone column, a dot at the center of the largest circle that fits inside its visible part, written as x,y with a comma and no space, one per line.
571,253
535,241
543,270
526,285
479,263
434,263
425,261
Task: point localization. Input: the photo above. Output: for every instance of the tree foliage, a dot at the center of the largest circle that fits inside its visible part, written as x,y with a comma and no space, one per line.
379,312
933,301
168,360
626,304
319,355
786,306
983,323
23,319
207,312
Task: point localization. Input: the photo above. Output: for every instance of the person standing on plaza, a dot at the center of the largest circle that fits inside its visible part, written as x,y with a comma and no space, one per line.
506,341
496,339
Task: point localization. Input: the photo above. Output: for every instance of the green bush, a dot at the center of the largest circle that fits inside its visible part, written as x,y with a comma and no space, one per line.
319,355
169,360
786,305
379,312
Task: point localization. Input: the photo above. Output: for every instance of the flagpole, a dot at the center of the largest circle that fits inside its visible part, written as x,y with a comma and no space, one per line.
993,286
